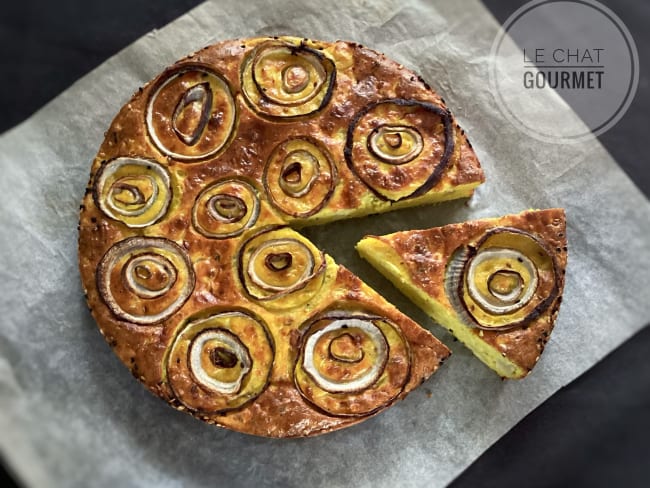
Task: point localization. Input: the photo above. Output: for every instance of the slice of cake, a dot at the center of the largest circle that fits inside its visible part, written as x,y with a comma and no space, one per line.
495,284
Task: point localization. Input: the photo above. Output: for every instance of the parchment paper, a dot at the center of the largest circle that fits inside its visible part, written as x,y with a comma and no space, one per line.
71,415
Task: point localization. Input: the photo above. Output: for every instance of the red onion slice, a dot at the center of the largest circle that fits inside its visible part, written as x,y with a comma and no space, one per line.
280,267
352,363
130,175
287,76
123,255
220,362
299,177
426,136
286,80
518,260
226,209
191,114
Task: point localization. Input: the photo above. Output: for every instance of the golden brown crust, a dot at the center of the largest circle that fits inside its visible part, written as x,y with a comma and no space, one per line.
364,76
227,132
426,254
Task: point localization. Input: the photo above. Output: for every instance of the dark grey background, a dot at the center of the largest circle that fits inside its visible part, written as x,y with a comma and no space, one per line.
594,432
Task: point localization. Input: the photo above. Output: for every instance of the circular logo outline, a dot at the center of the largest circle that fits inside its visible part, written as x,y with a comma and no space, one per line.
601,128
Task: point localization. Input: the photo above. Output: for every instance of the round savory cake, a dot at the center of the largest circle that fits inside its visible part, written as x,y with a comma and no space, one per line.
188,248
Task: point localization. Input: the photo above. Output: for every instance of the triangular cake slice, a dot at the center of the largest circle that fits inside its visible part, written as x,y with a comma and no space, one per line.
495,284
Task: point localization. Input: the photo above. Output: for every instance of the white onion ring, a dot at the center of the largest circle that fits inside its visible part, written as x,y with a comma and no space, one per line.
501,306
306,274
138,289
240,351
361,383
213,191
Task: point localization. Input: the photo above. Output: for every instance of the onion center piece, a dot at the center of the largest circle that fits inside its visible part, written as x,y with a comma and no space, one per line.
505,285
300,170
222,357
149,275
295,78
278,262
227,208
283,270
219,361
126,192
192,113
495,286
395,144
345,348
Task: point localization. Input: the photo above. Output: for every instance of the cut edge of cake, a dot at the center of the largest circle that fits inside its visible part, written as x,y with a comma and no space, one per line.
380,252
